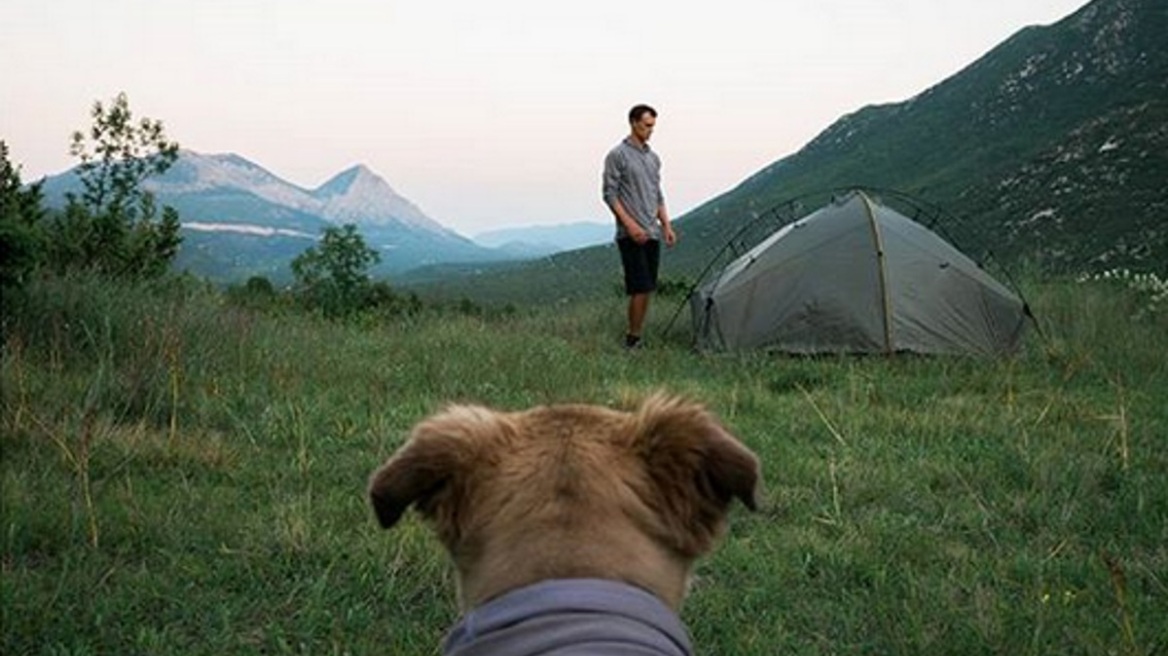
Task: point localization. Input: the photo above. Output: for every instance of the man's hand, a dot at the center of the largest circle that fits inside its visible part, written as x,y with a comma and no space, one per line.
669,234
638,234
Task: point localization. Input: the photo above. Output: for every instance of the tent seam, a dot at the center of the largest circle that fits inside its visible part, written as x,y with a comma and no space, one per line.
878,242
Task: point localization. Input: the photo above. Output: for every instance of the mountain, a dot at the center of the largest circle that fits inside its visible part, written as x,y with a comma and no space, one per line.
538,241
1051,149
359,196
240,219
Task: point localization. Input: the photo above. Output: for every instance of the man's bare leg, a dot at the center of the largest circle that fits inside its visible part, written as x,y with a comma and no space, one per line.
638,309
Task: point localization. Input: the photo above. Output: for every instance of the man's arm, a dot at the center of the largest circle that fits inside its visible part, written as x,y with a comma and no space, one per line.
636,232
610,189
666,225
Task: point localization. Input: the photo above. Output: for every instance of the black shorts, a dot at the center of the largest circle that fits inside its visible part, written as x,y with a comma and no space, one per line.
640,262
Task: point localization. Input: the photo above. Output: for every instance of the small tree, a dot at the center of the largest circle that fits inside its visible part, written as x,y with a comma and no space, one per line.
113,226
334,275
21,212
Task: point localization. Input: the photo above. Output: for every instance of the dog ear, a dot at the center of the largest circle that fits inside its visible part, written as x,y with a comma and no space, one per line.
429,470
697,468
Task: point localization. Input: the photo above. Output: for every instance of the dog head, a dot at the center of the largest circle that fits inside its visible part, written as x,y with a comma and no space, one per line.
570,491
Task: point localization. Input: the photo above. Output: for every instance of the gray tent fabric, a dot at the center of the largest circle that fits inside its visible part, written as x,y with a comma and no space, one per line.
857,277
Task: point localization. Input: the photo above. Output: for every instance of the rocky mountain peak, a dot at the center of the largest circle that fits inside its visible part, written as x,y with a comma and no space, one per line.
354,179
358,195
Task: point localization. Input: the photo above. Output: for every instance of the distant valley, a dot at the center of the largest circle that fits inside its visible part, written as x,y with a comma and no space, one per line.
241,220
540,240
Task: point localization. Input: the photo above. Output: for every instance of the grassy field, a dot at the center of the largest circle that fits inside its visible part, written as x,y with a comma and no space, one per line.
182,476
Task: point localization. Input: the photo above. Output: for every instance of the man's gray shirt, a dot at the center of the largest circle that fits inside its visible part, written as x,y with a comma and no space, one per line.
632,174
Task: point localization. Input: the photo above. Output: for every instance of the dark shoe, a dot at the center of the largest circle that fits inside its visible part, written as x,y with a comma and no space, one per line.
632,342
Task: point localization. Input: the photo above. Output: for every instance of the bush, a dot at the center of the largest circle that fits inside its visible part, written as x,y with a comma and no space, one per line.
21,243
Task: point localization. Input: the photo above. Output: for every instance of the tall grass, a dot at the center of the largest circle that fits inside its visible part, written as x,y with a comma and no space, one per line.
183,476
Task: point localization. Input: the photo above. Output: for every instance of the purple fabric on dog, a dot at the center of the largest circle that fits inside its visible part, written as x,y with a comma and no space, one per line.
570,617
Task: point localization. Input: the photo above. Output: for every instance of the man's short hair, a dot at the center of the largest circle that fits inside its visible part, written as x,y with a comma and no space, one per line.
638,111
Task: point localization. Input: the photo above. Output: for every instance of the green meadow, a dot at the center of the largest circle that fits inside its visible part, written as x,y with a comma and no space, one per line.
183,474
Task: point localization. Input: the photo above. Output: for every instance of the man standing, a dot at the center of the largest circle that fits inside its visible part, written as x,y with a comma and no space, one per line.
632,190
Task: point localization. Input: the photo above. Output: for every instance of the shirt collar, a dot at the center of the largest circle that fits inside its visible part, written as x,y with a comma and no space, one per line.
633,144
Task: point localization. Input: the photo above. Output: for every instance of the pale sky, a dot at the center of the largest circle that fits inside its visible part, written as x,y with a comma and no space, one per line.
485,113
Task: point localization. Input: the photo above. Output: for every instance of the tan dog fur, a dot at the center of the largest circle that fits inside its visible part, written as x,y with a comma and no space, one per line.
570,491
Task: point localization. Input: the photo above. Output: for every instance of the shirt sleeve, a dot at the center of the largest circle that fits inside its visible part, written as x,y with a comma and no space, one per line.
610,185
660,191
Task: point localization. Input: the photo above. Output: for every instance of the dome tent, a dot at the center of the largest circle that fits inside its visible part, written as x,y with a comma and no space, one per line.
857,277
